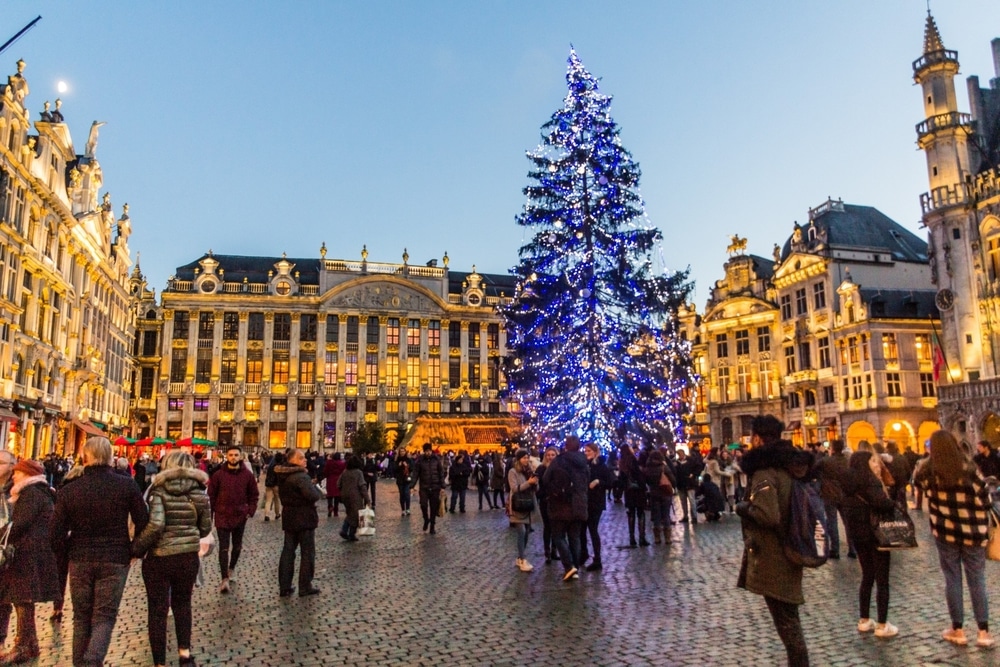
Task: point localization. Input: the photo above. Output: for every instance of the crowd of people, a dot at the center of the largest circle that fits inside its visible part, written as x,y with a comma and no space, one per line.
84,525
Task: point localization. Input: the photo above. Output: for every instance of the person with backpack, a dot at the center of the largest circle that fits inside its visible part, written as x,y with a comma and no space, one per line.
832,470
482,476
864,496
634,485
271,497
766,569
566,482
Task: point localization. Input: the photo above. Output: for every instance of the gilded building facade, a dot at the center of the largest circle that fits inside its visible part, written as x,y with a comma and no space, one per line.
66,320
961,211
833,334
276,351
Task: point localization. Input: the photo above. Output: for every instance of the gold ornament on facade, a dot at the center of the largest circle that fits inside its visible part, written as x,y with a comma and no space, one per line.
268,315
373,348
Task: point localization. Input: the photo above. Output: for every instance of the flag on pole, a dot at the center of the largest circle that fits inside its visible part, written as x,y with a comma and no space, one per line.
937,356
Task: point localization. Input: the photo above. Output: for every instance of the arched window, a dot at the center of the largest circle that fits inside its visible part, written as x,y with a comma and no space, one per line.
38,380
19,360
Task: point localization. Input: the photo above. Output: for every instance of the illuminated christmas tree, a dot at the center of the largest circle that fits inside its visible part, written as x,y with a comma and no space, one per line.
593,332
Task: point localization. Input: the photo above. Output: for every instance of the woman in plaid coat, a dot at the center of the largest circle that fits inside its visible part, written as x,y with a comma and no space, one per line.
958,503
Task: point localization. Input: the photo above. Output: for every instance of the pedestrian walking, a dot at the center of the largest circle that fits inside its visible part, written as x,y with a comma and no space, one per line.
832,471
299,520
90,527
371,473
7,462
403,467
32,575
522,484
634,484
497,481
334,468
659,501
543,502
958,502
233,493
458,476
179,516
62,560
481,474
600,480
428,472
354,492
765,570
687,483
272,497
864,496
566,482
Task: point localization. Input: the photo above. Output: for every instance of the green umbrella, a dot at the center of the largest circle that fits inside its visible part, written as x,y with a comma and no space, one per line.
196,442
734,445
146,442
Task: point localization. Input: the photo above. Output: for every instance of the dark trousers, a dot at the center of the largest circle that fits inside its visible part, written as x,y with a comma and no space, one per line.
227,561
96,591
305,540
566,540
429,500
27,635
789,626
333,505
833,528
484,492
404,497
593,520
459,495
169,582
498,493
372,486
5,610
543,510
874,570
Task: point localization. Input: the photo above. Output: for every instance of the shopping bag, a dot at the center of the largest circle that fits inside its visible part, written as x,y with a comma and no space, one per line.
894,530
366,521
442,506
993,546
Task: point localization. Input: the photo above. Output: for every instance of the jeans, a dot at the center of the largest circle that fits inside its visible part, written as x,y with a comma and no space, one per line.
169,582
227,562
566,540
522,538
789,626
659,510
404,497
484,492
590,526
96,591
271,499
305,540
953,557
874,570
833,529
459,495
688,504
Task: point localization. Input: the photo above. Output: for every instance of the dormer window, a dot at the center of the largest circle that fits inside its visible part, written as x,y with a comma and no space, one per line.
282,288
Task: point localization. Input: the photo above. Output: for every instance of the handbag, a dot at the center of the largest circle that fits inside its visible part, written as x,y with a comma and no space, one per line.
894,530
6,549
522,502
993,545
666,488
442,506
366,521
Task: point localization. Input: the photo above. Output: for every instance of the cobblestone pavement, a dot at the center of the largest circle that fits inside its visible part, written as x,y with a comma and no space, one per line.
456,598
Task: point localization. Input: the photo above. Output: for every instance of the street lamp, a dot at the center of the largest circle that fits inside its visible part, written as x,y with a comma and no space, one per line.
38,414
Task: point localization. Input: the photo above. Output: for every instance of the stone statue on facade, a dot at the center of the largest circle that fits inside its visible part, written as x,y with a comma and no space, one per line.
91,149
17,84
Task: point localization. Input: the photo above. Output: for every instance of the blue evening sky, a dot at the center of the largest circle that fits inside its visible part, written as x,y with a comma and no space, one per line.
267,127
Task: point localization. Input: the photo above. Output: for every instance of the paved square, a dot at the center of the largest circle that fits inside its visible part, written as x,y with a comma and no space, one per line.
456,598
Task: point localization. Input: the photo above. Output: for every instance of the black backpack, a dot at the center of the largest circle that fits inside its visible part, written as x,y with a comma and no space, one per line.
558,483
807,542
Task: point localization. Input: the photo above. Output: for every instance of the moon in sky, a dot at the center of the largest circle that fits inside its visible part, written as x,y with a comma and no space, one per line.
62,87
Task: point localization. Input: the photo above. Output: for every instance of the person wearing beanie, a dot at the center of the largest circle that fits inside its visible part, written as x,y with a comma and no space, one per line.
32,575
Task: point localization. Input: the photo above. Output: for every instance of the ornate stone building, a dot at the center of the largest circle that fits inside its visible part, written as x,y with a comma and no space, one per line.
961,211
276,351
833,335
66,325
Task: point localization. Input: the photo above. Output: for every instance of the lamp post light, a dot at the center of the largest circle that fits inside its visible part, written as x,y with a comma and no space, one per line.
38,415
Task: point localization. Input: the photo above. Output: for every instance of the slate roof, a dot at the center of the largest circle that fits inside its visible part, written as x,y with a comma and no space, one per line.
763,267
254,269
493,283
863,227
899,304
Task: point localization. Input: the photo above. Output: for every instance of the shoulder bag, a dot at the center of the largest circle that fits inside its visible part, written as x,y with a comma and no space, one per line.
894,529
522,502
6,549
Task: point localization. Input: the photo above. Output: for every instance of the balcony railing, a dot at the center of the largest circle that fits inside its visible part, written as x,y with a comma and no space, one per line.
227,388
969,390
176,388
281,344
252,388
943,121
307,388
371,391
935,57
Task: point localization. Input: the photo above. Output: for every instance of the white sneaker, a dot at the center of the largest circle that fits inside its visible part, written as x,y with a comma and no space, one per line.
524,565
984,640
866,625
232,574
886,630
955,637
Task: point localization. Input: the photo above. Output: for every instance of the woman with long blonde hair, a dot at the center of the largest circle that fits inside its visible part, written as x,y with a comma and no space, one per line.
958,503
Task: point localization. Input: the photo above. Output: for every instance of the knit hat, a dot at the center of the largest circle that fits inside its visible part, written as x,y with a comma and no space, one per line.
29,467
520,454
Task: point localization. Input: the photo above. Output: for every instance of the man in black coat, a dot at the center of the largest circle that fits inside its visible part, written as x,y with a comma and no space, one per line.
459,474
90,527
428,471
987,459
689,469
370,471
299,519
600,480
566,480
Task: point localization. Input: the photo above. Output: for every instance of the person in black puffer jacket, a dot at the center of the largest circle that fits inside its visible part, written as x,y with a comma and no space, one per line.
298,520
428,471
179,516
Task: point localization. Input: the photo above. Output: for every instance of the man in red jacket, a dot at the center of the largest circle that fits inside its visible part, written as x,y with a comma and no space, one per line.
233,493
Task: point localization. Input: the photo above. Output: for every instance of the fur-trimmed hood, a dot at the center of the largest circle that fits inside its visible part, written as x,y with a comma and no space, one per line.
180,481
781,455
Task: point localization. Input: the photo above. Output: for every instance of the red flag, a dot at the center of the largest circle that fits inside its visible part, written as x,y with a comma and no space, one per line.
937,357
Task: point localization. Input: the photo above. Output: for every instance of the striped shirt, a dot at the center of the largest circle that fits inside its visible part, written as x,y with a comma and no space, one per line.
958,515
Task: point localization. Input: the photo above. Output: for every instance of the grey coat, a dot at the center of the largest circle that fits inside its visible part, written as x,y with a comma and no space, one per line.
354,493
